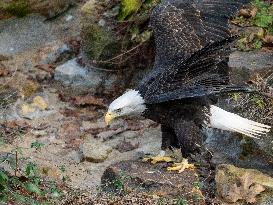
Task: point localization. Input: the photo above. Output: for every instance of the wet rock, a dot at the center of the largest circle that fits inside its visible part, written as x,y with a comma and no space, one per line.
243,185
135,176
246,65
73,74
95,151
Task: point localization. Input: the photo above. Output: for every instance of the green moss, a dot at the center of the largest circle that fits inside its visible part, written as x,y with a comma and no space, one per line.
97,39
127,8
19,8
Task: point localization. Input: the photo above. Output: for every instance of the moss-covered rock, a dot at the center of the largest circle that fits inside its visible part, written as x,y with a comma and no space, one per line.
96,41
21,8
18,8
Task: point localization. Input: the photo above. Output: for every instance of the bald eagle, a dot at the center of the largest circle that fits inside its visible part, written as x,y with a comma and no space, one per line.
190,71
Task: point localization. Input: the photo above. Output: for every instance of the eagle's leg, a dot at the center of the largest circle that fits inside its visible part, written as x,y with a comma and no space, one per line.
189,138
169,141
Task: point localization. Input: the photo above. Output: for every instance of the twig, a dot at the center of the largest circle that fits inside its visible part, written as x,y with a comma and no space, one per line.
120,55
16,163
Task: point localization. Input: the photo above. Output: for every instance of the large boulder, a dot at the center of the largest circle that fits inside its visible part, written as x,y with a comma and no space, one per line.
246,67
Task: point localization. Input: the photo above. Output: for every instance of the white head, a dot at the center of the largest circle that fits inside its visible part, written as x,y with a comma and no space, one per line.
129,104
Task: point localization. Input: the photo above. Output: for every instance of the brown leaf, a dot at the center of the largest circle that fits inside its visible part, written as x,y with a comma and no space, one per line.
245,13
89,100
234,194
46,67
254,11
247,191
268,39
253,191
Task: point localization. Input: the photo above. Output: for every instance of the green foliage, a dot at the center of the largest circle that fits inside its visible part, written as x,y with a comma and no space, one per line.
257,44
264,16
162,201
261,16
127,8
181,202
37,145
25,186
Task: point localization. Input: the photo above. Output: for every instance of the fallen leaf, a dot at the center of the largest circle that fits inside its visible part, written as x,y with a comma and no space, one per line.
248,190
245,13
39,102
268,39
46,67
26,109
89,100
254,11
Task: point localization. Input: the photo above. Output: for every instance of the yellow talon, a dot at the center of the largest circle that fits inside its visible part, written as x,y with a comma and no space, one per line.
157,159
180,167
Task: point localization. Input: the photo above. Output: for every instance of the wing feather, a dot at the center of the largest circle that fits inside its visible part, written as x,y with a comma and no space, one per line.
183,28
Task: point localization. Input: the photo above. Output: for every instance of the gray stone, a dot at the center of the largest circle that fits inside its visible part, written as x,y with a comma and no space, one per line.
56,54
86,125
95,151
71,73
77,76
106,135
75,156
245,65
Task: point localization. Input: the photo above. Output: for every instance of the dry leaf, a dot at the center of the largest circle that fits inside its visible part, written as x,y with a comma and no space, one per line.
89,100
247,191
268,39
254,11
46,67
26,109
245,13
39,102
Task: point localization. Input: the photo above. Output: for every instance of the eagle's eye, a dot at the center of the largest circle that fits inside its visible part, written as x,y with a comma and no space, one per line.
118,110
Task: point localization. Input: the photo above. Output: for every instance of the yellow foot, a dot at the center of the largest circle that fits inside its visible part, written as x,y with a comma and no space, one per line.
158,158
180,167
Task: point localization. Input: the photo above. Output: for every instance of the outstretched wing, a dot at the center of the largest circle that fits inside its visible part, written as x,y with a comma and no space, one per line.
181,28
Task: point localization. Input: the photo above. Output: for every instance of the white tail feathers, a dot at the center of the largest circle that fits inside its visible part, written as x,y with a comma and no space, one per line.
224,120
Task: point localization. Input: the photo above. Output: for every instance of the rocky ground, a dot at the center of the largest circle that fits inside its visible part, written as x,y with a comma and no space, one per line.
52,109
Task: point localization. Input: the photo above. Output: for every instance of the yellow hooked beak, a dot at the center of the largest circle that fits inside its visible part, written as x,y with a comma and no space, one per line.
109,117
